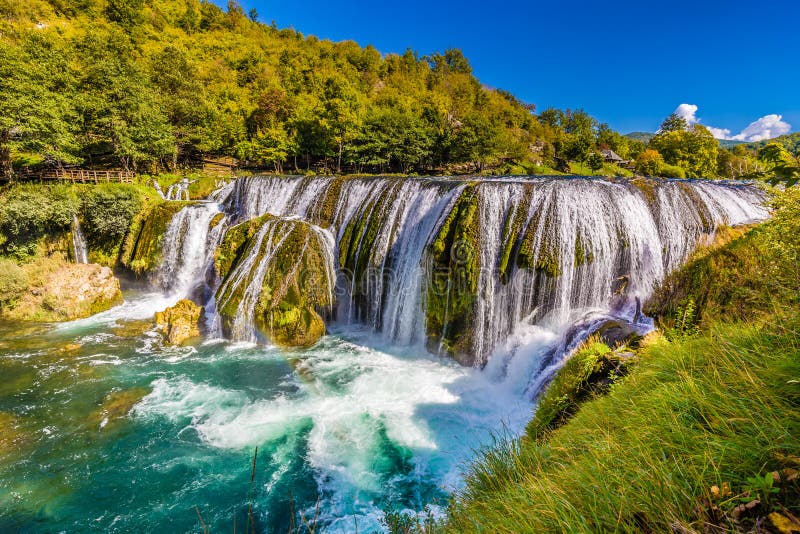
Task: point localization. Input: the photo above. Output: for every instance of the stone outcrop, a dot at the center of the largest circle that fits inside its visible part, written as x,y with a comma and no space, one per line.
277,277
66,291
180,322
142,249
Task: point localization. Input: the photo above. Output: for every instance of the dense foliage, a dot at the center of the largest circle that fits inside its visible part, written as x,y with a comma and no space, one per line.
155,84
33,215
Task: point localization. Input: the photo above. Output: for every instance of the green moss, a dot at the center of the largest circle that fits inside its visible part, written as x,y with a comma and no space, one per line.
582,255
141,251
545,258
361,232
588,372
215,220
295,291
647,186
512,232
232,246
325,210
452,292
706,219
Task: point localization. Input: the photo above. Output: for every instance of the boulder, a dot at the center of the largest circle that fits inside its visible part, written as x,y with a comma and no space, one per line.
66,291
179,322
289,263
614,333
115,406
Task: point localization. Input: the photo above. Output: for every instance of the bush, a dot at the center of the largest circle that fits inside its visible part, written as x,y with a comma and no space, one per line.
671,171
13,282
107,212
29,213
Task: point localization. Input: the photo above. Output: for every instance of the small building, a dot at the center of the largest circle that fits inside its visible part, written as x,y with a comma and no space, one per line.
609,156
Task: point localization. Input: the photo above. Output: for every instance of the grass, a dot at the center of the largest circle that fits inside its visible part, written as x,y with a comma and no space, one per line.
608,170
699,413
701,436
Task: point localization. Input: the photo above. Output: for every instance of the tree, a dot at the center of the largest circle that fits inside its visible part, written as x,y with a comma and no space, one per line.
784,167
695,150
253,15
127,13
595,161
36,112
649,162
674,123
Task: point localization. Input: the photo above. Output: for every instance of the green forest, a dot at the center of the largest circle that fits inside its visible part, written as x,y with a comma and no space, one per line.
158,85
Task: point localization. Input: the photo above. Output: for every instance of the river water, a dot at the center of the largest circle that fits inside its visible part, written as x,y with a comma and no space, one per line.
349,423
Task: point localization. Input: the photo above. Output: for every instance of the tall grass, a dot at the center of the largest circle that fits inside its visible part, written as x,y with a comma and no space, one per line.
698,413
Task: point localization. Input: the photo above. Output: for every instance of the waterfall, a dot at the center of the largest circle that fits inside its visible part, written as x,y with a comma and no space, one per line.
79,248
540,250
188,248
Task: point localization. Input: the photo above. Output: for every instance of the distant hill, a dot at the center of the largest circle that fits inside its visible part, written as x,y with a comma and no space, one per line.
729,143
790,141
644,137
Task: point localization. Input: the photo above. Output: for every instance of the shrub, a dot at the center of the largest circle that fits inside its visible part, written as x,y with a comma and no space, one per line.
29,213
13,282
107,212
671,171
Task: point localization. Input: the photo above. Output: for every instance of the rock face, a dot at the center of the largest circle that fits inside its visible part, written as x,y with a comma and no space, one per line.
277,278
66,292
142,248
180,322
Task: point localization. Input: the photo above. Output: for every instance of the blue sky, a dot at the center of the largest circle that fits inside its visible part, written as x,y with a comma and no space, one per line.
627,62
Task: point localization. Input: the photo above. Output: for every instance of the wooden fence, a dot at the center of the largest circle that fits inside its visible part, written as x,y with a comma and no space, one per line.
82,176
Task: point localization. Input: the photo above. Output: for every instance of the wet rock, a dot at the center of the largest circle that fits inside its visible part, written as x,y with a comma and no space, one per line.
141,252
614,333
66,292
295,261
179,322
115,406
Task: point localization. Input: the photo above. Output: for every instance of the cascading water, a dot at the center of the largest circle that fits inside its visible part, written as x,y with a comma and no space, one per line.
581,245
80,251
188,248
267,255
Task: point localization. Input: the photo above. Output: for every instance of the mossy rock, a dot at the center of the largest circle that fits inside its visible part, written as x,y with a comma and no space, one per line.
142,250
451,294
180,322
297,287
61,291
543,254
590,371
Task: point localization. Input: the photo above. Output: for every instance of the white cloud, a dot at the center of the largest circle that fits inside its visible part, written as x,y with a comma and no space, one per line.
688,112
766,127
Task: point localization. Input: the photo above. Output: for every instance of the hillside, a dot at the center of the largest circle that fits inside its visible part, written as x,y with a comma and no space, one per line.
790,141
643,137
152,85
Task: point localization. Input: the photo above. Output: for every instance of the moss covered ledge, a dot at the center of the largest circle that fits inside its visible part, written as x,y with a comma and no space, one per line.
297,286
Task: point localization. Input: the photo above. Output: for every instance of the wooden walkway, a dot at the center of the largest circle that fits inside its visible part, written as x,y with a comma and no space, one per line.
81,176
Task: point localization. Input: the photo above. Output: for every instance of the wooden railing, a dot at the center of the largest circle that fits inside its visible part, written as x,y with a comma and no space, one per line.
83,176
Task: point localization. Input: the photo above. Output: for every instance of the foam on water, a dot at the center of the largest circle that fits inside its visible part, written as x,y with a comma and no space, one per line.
357,401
